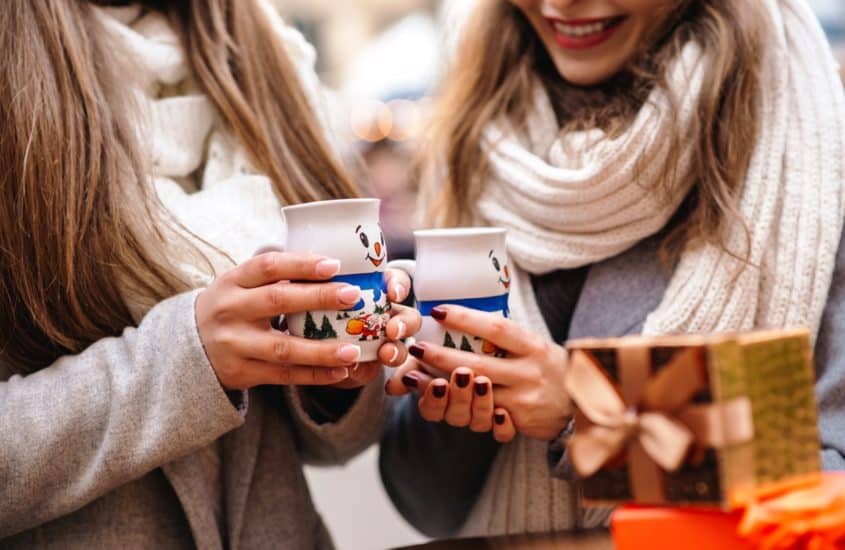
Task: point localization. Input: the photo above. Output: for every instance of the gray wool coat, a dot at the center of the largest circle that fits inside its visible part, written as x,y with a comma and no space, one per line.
99,449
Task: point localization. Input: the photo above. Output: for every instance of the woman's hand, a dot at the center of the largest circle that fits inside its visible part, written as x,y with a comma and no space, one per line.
465,400
234,320
528,382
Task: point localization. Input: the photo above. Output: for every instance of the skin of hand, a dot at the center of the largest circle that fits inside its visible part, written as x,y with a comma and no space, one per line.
527,386
234,317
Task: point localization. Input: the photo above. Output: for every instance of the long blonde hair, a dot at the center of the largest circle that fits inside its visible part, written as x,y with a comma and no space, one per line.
500,58
79,221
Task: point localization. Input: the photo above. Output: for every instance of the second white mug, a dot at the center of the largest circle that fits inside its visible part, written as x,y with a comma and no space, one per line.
460,266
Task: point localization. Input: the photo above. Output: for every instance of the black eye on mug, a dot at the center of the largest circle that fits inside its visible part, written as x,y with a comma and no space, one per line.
381,233
496,263
364,240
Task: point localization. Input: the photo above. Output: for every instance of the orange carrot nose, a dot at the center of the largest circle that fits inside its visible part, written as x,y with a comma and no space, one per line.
378,249
507,274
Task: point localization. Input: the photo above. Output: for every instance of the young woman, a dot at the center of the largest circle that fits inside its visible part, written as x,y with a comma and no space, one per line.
146,151
662,166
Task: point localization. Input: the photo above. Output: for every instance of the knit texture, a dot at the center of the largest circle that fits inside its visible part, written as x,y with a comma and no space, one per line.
192,149
571,200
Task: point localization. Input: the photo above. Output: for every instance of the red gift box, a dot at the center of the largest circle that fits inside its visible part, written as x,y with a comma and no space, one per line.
806,513
654,528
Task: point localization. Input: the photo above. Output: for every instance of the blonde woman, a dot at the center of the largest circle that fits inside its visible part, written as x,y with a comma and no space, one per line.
146,150
662,166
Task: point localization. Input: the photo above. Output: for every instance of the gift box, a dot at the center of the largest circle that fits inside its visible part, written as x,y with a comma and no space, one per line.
803,513
651,528
696,420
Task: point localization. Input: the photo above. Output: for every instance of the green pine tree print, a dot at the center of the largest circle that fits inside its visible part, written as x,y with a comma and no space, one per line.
326,329
448,342
310,331
465,345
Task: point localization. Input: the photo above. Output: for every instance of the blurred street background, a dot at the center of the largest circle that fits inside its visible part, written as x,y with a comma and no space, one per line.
382,60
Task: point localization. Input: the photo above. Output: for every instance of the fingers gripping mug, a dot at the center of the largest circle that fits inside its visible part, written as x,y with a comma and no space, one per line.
348,230
462,266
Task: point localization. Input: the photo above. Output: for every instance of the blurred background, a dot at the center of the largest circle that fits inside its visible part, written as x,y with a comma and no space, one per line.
382,60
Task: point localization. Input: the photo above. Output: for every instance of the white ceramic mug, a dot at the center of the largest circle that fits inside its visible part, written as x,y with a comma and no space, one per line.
461,266
348,230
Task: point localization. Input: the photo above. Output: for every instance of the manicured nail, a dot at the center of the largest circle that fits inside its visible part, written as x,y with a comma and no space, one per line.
417,351
339,373
438,313
410,380
500,418
349,294
462,379
349,353
399,291
439,390
481,388
328,268
400,329
395,355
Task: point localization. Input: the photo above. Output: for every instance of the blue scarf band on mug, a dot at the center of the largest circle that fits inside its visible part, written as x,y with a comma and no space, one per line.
365,281
489,304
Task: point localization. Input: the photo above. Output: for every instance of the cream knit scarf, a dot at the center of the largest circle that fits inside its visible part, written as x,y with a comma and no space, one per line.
570,200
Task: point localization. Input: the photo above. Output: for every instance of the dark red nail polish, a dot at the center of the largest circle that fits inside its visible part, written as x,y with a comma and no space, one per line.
500,418
438,313
439,390
481,388
417,351
462,379
386,384
410,381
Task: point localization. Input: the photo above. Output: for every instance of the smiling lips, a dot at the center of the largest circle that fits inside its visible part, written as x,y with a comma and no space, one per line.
579,34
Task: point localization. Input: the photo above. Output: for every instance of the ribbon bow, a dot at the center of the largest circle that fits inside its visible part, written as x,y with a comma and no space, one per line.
649,416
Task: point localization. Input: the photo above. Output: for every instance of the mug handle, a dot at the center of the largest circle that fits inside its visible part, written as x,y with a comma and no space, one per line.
408,266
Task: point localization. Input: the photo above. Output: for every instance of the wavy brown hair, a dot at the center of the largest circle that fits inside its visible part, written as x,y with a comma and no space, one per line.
500,58
80,225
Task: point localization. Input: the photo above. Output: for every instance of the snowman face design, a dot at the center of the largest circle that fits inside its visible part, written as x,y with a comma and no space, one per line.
501,270
371,238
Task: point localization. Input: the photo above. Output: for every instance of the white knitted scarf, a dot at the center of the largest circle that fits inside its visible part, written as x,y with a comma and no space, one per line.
570,200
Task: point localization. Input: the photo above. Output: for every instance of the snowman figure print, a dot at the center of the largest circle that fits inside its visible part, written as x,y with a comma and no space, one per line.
367,320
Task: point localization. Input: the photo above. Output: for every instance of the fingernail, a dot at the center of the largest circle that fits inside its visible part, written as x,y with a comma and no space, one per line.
438,313
439,390
327,268
395,355
398,291
349,353
417,351
349,294
339,373
481,388
462,379
500,418
400,330
410,380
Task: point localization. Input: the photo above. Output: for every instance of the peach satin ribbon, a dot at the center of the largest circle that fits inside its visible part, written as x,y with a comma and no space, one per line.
650,416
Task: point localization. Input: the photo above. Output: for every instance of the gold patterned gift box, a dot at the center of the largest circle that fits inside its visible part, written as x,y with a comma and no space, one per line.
691,419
